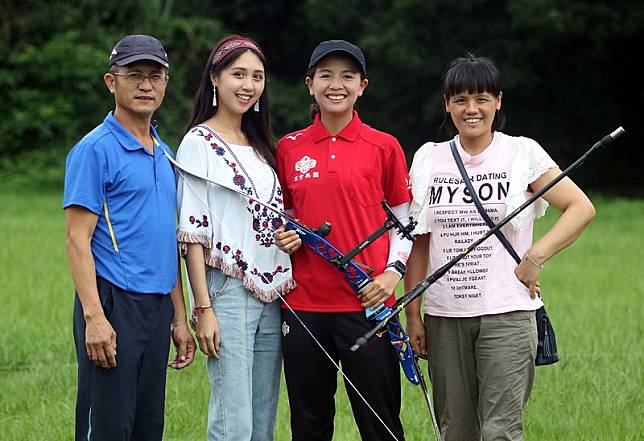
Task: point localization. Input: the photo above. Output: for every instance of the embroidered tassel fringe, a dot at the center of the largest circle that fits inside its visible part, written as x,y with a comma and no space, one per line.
265,296
185,238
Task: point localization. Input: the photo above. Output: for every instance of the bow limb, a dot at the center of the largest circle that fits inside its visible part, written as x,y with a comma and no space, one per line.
184,174
428,400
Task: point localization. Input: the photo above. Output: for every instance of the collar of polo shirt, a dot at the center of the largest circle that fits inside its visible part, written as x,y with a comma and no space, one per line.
349,133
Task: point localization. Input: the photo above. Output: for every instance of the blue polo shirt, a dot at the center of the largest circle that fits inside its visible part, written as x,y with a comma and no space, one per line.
133,193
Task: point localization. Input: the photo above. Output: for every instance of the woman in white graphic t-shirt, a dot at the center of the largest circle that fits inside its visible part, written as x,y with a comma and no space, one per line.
478,329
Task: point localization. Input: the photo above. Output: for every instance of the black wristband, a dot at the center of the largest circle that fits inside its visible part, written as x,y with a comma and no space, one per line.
399,267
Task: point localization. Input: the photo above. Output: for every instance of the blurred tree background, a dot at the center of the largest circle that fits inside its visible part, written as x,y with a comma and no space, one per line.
569,68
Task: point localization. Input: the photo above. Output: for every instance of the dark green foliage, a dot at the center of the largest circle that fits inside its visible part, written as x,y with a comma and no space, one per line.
569,69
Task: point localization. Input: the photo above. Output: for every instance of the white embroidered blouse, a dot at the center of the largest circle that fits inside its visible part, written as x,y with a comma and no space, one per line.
236,232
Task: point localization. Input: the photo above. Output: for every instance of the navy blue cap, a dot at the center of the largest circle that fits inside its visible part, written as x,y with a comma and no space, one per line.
138,47
338,46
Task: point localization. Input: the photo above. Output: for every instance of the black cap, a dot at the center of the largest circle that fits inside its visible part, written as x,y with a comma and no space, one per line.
338,46
138,47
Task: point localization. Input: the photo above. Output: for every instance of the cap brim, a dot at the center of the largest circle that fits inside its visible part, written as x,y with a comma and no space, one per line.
315,61
138,57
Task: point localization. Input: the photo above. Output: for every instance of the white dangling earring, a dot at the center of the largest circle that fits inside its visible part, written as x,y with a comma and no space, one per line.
214,96
256,106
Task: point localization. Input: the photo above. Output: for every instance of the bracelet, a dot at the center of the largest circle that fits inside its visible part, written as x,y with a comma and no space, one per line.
202,308
529,259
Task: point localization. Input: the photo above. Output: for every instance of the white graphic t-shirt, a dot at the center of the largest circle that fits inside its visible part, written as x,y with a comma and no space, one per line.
483,282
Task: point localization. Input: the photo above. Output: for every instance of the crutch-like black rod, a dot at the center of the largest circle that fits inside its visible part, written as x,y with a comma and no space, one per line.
440,272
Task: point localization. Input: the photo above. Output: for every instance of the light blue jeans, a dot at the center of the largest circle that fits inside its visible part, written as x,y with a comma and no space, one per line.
245,379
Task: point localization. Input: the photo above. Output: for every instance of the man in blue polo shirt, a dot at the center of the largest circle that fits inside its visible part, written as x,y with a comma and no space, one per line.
120,210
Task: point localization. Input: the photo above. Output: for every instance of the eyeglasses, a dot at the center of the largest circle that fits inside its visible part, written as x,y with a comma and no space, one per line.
157,79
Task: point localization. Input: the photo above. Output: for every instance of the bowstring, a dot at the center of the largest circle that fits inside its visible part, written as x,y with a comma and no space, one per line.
428,400
181,170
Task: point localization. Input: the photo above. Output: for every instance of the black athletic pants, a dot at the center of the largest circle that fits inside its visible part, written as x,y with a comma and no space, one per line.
311,377
125,403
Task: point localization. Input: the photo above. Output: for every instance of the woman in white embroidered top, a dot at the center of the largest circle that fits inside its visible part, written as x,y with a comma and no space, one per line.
234,270
479,330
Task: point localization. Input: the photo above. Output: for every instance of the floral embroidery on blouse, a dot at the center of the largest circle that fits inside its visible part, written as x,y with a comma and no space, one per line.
237,255
278,197
239,180
241,247
265,222
218,150
267,277
200,223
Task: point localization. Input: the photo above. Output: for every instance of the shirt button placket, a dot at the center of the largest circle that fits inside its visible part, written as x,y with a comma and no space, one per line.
333,167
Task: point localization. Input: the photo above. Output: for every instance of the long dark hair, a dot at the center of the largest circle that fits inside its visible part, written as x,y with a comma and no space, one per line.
472,75
255,125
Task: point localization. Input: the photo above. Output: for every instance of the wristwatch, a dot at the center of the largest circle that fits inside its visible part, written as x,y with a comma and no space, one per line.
398,267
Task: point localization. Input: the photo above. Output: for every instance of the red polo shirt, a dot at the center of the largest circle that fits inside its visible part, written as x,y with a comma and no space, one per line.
340,179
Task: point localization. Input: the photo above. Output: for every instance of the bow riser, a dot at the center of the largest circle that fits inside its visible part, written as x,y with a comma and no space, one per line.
357,278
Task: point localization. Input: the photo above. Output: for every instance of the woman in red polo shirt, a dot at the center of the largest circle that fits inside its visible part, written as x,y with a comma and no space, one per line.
338,170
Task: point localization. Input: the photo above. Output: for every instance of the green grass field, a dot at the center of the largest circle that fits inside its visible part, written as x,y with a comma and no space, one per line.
593,292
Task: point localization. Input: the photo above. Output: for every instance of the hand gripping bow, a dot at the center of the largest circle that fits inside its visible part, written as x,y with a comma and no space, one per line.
358,279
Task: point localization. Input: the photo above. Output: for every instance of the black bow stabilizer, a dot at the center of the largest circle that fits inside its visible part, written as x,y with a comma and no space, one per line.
392,222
